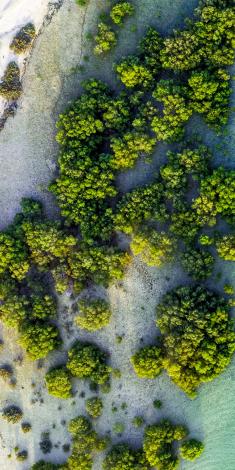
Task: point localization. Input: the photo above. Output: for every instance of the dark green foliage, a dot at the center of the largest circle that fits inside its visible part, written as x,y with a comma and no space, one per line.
87,361
23,39
150,48
120,11
14,257
38,339
93,315
148,362
121,457
198,263
12,414
22,455
140,205
58,383
198,336
94,407
42,465
45,444
105,39
191,449
158,444
26,427
10,87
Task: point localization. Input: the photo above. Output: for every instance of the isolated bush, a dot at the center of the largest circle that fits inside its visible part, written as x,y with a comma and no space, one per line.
154,248
120,11
23,39
22,455
6,372
197,336
197,263
93,315
133,73
226,247
38,339
10,86
148,362
105,39
87,361
58,382
12,414
94,407
26,427
191,449
159,444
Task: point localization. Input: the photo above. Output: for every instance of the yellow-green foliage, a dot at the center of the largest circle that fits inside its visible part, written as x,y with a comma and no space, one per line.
47,242
129,148
23,39
10,87
120,11
176,112
159,444
87,361
93,315
197,336
217,197
38,339
154,248
148,362
14,310
13,257
105,39
226,247
85,443
133,73
94,407
191,449
58,382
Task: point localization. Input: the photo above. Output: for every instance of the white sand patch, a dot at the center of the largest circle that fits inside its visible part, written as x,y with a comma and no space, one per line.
14,14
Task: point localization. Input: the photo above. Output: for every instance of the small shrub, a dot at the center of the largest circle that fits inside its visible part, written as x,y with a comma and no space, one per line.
121,457
23,39
120,11
191,449
58,383
42,465
118,428
94,407
154,248
12,414
228,289
133,73
22,455
105,39
93,315
138,421
6,372
226,247
45,444
26,427
10,87
38,339
157,404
